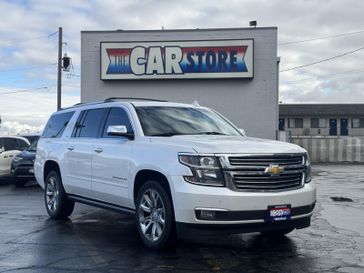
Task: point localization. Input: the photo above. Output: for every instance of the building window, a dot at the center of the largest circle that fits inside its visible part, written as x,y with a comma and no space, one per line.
318,123
357,123
295,123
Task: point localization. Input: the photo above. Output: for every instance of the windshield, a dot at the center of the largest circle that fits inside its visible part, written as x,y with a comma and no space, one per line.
170,121
33,147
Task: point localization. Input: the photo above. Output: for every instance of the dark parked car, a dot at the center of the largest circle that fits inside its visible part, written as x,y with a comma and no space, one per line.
31,137
22,166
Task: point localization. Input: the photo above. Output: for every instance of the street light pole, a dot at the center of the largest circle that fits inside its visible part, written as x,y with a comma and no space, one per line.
59,70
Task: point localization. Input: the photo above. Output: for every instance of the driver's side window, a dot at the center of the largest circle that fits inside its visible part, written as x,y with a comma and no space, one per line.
117,116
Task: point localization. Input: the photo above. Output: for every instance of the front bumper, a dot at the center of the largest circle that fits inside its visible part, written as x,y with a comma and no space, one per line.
184,229
26,172
237,207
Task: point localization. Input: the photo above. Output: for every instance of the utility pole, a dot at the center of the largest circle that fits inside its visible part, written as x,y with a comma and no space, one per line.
59,70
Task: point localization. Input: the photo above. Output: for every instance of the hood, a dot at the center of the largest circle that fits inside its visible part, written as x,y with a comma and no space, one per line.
26,154
217,144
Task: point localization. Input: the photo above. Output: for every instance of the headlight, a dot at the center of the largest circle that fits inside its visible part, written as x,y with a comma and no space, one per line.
16,159
308,169
205,170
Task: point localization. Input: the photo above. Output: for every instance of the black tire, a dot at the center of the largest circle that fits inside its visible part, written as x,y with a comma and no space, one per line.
167,236
277,233
61,207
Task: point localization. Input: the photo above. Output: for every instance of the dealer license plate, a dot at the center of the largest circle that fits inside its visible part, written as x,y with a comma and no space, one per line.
279,213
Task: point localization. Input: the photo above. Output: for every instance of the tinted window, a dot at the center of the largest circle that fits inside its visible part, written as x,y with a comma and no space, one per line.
117,116
31,139
14,144
169,121
56,125
22,144
91,123
33,146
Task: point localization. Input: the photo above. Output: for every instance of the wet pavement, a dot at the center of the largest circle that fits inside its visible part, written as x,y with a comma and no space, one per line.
95,240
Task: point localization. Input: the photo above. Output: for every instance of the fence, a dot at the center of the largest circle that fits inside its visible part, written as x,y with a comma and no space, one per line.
332,149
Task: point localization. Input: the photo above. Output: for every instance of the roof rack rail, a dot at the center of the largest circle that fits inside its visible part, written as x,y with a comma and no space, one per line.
130,98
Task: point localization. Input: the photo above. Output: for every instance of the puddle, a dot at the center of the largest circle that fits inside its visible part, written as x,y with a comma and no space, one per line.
341,199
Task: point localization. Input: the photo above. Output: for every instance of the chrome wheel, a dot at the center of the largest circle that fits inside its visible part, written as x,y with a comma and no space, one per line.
52,195
151,213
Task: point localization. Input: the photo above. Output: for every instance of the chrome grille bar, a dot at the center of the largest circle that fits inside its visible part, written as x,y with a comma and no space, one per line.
247,172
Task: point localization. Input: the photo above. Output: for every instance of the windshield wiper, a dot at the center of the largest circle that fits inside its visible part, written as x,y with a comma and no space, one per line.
167,134
210,133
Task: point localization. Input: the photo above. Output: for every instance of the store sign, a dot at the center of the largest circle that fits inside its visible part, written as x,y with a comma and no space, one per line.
177,60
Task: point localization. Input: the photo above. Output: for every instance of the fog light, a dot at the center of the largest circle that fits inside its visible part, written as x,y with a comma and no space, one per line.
207,215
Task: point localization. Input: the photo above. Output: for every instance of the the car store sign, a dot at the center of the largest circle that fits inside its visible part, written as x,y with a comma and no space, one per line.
177,59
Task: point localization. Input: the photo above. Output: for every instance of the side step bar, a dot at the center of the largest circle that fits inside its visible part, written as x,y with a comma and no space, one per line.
100,204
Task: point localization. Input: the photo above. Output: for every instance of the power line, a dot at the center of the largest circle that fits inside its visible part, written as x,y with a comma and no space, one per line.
323,60
323,38
7,43
345,74
25,90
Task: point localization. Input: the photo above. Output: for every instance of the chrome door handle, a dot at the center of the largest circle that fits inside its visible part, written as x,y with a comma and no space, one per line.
98,150
71,148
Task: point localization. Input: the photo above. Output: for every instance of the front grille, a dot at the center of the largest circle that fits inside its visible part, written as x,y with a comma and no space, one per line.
247,172
267,182
256,160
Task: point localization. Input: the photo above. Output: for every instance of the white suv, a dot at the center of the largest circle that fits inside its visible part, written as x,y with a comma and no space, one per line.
10,146
176,167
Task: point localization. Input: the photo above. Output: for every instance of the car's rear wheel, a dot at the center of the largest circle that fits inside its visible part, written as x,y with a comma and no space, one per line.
277,233
154,216
57,204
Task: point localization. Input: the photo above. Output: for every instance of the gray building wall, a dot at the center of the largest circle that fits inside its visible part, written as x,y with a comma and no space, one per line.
251,104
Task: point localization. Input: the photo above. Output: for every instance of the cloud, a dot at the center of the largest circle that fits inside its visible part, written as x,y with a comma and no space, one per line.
25,27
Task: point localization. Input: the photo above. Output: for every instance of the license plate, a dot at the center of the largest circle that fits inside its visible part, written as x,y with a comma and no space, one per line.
279,213
31,170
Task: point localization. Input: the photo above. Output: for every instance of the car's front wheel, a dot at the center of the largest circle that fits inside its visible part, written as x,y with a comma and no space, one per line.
57,204
154,216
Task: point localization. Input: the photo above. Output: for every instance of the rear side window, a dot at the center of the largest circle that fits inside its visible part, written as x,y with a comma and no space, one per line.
89,124
11,144
117,116
56,125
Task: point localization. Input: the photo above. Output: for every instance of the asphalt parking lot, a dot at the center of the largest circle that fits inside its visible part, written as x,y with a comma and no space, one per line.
94,240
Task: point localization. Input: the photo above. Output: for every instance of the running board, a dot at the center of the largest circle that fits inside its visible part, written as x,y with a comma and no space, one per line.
100,204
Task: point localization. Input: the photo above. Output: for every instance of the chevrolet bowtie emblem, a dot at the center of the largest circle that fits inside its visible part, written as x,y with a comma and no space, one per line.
274,169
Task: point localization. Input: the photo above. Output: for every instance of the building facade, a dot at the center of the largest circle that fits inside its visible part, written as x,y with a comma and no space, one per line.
234,71
330,132
322,119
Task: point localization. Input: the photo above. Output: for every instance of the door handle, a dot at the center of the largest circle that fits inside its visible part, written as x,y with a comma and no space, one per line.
71,148
98,150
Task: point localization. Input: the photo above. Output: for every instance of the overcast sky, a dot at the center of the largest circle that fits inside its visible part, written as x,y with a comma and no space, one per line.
28,46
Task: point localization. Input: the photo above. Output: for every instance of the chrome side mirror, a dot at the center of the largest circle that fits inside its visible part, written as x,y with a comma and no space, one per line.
2,149
242,131
119,130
